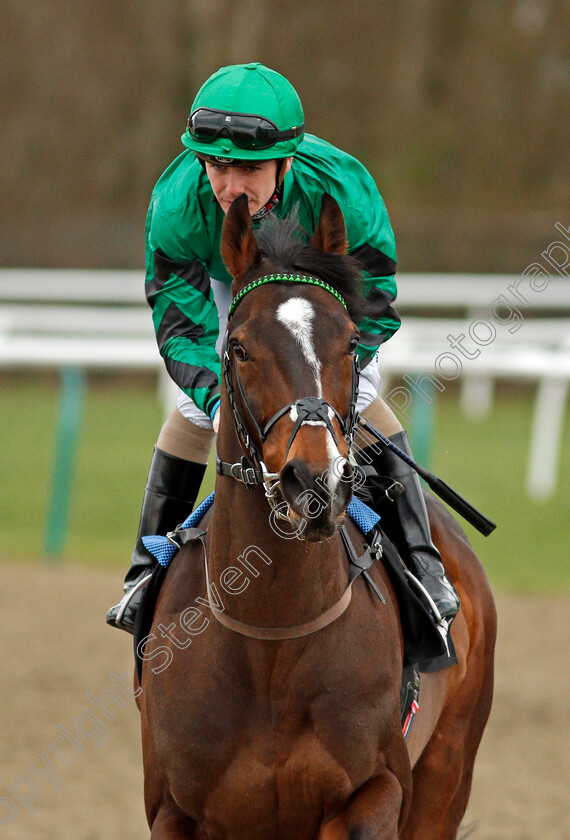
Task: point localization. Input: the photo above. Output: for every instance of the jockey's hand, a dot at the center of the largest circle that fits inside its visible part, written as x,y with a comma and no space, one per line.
216,421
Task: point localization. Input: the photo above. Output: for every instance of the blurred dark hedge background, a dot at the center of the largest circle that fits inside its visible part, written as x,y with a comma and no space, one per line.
460,108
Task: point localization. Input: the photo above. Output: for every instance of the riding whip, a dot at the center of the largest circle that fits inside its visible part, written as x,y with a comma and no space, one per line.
439,487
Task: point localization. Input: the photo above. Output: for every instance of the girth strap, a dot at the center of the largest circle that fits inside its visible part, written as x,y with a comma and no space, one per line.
359,565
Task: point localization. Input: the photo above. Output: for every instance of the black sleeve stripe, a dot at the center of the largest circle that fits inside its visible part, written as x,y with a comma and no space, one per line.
192,273
378,306
174,324
190,377
374,261
372,339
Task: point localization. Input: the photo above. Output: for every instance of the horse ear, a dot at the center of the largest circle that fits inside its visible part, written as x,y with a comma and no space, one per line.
330,233
238,246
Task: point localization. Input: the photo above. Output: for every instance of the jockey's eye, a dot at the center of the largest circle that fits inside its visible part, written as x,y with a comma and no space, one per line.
240,353
353,345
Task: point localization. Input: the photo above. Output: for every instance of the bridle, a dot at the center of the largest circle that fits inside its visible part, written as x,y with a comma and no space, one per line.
251,470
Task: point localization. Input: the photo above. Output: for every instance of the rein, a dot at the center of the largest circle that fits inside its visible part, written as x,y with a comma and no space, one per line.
305,410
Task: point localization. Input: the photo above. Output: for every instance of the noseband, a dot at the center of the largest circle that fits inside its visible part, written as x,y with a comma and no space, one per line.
308,410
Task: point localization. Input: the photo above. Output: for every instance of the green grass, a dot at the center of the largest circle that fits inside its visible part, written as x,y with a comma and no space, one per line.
484,461
487,463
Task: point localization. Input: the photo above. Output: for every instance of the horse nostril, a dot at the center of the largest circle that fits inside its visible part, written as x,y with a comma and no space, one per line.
293,483
347,471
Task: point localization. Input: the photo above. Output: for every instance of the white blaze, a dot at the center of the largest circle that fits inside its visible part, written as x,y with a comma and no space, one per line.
297,315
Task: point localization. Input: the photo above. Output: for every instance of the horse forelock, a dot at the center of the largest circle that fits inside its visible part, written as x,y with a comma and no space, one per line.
285,244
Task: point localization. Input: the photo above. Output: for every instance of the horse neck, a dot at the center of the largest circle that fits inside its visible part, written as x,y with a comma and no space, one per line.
290,580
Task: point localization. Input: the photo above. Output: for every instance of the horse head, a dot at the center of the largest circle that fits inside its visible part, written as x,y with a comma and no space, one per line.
289,361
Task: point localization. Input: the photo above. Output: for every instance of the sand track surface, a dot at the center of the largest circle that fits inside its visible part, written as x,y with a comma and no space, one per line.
59,658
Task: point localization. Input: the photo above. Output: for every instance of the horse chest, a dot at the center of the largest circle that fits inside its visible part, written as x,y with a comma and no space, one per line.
305,780
306,738
281,775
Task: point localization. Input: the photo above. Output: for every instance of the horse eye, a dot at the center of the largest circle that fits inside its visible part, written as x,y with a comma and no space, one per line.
240,353
353,344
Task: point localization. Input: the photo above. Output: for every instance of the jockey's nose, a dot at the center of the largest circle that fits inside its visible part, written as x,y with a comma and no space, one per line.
235,182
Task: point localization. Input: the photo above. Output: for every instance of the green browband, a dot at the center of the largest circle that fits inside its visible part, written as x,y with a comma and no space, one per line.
283,278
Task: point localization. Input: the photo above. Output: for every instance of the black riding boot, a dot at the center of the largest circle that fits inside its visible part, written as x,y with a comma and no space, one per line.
172,487
407,524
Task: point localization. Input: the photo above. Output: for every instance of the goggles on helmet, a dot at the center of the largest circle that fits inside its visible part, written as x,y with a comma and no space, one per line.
246,131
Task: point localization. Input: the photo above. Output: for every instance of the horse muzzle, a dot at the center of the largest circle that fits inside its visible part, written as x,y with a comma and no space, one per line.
316,502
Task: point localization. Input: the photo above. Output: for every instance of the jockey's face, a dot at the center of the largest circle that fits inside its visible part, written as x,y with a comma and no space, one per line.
256,179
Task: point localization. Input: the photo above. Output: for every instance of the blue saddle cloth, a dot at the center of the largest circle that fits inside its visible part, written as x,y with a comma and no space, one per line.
163,550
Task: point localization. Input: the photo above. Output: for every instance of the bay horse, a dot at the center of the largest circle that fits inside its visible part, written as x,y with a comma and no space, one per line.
269,698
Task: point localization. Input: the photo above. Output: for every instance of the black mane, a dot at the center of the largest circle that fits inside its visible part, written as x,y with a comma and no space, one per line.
286,244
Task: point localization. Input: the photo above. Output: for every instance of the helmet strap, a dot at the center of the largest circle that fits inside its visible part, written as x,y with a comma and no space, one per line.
269,205
278,194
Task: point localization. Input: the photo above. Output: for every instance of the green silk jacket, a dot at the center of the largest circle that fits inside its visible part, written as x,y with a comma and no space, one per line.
183,231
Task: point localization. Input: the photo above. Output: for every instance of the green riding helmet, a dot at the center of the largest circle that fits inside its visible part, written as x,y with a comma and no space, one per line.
245,112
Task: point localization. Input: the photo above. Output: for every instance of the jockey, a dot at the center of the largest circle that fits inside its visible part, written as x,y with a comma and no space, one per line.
246,134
